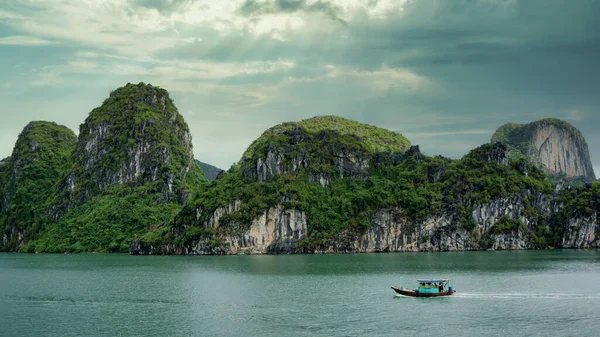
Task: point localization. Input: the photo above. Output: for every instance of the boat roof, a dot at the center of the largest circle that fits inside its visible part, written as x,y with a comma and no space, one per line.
433,280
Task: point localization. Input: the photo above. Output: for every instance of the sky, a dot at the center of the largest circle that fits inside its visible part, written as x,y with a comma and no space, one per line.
443,73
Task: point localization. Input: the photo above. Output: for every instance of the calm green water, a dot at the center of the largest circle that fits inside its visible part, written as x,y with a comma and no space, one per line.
532,293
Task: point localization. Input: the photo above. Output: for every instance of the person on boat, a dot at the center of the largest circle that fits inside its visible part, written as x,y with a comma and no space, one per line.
441,287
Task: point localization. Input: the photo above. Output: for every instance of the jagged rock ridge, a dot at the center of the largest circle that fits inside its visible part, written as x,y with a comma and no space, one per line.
552,143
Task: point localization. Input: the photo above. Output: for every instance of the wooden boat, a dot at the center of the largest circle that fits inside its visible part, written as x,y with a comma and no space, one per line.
428,288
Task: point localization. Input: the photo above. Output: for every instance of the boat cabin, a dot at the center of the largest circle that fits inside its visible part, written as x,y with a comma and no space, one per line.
434,286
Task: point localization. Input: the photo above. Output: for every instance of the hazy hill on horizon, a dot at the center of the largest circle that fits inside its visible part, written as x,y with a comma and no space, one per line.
211,172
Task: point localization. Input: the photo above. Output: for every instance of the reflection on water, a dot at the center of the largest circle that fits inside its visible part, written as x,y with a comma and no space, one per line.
498,293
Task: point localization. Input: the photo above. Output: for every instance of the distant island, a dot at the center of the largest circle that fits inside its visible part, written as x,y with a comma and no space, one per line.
211,172
129,183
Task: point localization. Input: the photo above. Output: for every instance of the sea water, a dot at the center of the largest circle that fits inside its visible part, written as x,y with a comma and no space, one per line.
518,293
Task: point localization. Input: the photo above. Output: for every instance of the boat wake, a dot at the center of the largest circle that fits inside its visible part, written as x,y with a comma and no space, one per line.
527,296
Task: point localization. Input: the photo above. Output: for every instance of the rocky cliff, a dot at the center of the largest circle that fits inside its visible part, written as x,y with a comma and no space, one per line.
553,144
28,177
391,201
285,231
135,137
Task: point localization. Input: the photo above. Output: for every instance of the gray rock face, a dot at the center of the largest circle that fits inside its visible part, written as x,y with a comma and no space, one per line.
281,230
582,232
324,179
278,230
272,165
132,139
299,154
499,154
562,152
553,144
344,163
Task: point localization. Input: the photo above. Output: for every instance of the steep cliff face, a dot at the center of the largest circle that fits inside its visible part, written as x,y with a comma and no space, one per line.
135,137
28,177
553,144
276,231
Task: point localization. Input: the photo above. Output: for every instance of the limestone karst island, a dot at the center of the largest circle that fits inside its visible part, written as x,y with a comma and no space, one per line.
129,183
299,168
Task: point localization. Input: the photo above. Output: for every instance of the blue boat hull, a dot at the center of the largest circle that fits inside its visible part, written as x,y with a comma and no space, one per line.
413,293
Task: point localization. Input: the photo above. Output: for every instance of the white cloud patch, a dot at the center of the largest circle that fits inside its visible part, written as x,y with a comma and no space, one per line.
23,40
133,30
191,77
382,79
375,9
368,83
117,25
190,70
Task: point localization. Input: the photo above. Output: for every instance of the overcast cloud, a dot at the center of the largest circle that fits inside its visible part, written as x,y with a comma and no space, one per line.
444,73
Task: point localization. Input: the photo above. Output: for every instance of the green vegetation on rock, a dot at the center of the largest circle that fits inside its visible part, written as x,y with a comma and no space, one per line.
368,137
581,201
105,223
131,174
131,171
320,147
419,185
28,178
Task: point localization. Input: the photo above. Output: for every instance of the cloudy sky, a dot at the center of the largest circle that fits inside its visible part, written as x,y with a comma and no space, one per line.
445,73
